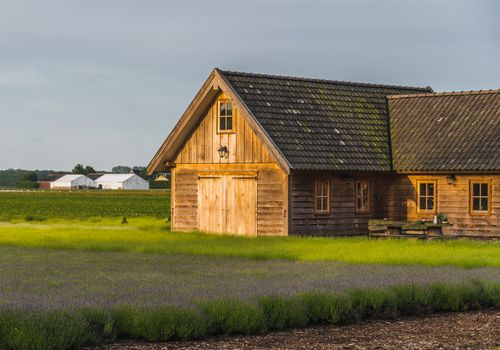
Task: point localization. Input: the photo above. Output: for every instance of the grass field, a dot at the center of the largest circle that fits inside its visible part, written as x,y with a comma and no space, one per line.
148,235
39,205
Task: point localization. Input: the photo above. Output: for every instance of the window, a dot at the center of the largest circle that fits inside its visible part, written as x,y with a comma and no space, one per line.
427,196
480,197
322,196
225,116
362,196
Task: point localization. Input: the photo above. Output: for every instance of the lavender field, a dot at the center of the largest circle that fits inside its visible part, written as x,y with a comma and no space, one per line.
54,279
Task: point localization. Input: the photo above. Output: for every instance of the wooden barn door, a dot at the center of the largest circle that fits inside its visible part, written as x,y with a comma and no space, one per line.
241,205
211,204
227,204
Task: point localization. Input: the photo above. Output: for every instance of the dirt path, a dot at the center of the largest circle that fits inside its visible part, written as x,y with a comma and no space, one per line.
474,330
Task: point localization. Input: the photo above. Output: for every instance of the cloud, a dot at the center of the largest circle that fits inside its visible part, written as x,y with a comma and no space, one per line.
90,76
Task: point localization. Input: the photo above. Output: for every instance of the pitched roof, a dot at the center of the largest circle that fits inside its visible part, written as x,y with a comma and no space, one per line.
116,177
69,178
51,177
446,131
321,124
95,176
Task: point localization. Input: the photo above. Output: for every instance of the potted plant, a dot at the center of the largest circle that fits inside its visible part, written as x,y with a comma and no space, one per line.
442,219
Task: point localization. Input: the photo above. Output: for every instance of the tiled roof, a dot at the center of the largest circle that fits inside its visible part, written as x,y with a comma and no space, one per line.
446,131
322,124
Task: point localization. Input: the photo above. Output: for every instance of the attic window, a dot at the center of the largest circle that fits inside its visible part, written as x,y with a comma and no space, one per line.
225,116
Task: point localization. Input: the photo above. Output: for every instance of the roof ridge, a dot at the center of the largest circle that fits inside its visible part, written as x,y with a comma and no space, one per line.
319,80
446,93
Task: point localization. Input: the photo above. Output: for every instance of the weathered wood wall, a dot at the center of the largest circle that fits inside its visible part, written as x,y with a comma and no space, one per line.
452,200
343,218
272,201
282,210
246,154
243,144
393,197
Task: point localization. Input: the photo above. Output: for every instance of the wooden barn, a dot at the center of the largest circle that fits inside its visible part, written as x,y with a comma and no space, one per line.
270,155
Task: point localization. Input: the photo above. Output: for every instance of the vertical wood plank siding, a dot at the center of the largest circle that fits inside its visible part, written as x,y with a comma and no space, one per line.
243,144
246,153
271,199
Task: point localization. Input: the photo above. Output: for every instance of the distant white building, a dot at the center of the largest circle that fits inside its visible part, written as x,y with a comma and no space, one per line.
68,182
122,182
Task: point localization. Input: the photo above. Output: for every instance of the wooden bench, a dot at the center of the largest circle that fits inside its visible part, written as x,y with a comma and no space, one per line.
403,228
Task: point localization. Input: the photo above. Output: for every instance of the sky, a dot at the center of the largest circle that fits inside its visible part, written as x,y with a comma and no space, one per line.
103,82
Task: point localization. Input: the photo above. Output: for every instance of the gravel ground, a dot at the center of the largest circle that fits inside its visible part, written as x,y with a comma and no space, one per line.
474,330
37,278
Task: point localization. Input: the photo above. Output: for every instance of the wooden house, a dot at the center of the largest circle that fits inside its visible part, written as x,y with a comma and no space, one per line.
270,155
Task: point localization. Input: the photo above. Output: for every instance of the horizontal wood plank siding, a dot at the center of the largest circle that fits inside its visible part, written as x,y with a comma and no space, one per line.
271,203
342,218
185,201
453,200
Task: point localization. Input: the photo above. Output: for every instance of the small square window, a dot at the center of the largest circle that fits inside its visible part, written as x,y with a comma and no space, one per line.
480,198
426,196
225,116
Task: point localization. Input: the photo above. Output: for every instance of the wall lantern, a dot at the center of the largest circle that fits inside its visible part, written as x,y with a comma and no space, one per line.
450,179
223,152
346,178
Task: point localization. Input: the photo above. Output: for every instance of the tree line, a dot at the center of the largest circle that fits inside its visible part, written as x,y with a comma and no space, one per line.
28,179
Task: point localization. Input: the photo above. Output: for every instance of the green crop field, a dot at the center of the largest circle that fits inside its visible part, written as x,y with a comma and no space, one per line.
40,205
152,236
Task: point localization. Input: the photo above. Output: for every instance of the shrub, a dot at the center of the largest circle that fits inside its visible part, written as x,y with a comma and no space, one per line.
101,324
283,312
125,321
411,300
326,308
373,303
444,297
58,329
169,322
45,330
233,317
